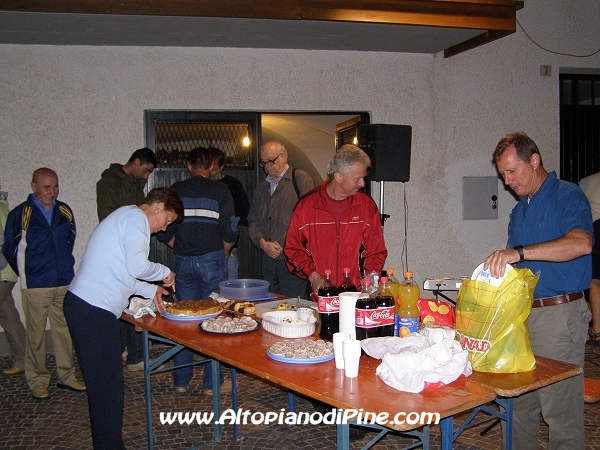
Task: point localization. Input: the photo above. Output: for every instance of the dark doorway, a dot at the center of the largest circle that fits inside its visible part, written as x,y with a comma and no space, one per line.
309,137
579,126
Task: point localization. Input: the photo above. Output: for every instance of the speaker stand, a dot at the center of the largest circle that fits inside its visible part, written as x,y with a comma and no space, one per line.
382,215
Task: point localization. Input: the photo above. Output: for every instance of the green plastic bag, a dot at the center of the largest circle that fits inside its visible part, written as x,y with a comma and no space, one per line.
491,322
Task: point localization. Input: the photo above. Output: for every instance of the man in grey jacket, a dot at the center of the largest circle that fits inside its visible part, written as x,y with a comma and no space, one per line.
270,213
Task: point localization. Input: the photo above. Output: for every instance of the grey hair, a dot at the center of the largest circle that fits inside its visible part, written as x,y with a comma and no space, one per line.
345,157
278,145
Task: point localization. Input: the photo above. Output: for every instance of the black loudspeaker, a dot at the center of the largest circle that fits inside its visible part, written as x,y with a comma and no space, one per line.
388,146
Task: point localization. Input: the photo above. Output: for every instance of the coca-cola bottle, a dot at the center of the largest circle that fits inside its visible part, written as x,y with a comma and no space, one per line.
385,308
347,284
329,308
366,305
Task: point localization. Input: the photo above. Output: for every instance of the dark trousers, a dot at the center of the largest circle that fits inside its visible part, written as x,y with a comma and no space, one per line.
132,340
97,341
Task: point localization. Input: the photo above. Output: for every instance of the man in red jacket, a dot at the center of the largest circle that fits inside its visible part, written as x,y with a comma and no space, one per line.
336,226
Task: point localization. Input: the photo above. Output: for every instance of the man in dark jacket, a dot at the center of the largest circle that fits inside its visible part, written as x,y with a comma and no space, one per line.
241,205
38,245
123,185
201,244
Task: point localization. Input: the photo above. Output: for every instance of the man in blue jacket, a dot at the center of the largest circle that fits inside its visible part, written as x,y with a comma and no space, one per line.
38,245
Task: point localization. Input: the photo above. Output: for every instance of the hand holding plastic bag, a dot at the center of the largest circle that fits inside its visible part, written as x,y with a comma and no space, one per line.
491,322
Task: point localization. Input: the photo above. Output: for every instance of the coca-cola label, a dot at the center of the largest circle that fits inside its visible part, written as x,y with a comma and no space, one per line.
371,318
329,304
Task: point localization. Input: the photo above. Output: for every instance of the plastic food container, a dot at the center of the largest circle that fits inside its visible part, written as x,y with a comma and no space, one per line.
244,289
274,322
292,304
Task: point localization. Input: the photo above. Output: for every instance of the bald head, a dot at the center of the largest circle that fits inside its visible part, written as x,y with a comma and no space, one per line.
43,171
45,186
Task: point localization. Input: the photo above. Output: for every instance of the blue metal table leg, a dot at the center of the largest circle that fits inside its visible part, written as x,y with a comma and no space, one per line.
343,436
509,423
215,366
234,400
425,437
150,433
446,427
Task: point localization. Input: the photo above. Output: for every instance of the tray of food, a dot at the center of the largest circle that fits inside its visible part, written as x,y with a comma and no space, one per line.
303,351
288,304
190,310
229,325
290,324
240,306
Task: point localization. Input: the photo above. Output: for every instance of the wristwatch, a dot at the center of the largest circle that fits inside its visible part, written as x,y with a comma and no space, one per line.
519,249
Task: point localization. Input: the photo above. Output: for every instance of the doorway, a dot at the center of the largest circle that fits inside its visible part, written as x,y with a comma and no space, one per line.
311,139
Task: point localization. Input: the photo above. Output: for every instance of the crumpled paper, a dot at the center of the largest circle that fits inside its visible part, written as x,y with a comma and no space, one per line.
139,307
417,360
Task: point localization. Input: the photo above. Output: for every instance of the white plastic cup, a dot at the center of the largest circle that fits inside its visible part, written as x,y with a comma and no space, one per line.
351,350
338,339
348,313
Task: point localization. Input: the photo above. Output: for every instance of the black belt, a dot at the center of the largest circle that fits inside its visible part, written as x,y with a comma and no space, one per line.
556,300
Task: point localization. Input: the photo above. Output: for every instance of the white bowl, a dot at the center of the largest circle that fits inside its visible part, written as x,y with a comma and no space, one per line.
273,322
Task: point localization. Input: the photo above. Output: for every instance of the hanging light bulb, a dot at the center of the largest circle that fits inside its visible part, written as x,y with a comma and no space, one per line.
246,141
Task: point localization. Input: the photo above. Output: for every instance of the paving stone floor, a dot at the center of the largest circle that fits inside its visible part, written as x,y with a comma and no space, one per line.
62,421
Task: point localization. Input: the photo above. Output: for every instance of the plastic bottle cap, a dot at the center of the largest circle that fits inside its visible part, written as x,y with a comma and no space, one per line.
383,279
409,274
390,271
367,282
346,269
328,272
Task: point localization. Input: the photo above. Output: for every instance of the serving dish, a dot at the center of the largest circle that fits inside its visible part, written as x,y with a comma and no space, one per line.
318,359
228,333
292,305
289,324
183,318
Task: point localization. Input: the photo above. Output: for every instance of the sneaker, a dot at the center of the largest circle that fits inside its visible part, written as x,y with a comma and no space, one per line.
12,370
137,367
225,387
40,393
180,389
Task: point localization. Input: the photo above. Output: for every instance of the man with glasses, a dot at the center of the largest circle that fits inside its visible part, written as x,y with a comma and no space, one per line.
269,217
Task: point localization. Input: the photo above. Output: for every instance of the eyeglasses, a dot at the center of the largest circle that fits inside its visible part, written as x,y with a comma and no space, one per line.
268,162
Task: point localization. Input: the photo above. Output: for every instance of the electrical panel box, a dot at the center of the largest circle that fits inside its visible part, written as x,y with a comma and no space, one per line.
479,198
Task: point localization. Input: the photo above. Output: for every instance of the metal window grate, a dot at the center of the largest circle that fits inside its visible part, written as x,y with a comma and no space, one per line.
174,140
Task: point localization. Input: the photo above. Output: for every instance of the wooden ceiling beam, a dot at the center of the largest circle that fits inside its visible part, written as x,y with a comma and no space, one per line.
496,17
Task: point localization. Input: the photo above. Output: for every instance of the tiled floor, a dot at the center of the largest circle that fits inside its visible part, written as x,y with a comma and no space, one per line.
61,422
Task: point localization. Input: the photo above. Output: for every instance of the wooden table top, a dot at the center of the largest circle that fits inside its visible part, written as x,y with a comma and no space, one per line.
320,381
547,371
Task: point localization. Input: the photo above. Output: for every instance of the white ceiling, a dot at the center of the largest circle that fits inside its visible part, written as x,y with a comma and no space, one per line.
166,31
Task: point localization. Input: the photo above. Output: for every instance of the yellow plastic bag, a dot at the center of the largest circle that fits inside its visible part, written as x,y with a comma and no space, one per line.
490,322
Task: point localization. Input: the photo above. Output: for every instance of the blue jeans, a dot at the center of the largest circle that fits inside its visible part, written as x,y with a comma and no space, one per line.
197,278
